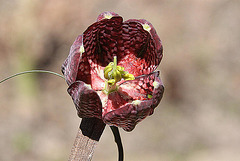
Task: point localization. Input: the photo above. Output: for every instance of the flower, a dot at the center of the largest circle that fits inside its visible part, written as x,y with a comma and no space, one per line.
111,73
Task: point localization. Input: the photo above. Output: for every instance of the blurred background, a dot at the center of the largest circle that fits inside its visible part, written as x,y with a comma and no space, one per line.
198,118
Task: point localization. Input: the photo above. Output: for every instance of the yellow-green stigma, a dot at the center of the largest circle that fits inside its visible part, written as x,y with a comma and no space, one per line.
113,73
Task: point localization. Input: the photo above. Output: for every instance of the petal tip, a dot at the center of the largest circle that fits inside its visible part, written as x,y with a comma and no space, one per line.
146,27
106,15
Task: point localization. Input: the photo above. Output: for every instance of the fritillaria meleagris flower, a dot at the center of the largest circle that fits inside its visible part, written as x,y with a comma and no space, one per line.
111,73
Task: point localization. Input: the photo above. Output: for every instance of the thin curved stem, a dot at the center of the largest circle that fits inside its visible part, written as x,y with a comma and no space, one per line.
118,142
31,71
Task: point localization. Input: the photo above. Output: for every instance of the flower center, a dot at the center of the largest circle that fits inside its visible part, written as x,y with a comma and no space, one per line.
113,73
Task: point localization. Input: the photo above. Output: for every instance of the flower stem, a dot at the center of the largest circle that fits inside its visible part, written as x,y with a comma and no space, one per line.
118,142
86,140
31,71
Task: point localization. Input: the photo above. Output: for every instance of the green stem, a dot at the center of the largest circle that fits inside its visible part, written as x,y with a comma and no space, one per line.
31,71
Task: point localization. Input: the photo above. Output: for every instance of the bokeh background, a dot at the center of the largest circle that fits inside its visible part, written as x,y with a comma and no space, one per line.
198,118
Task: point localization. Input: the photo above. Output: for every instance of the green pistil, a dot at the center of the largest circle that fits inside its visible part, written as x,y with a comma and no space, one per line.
113,73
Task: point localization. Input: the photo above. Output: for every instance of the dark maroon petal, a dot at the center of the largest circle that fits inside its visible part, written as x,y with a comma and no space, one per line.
141,88
157,93
129,114
76,66
97,82
113,102
100,40
138,50
86,100
152,50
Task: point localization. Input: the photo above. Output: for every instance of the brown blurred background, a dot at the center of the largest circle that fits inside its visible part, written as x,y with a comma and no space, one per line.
198,118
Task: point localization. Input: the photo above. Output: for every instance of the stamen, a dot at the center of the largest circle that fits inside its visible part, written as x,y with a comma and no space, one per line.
114,73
